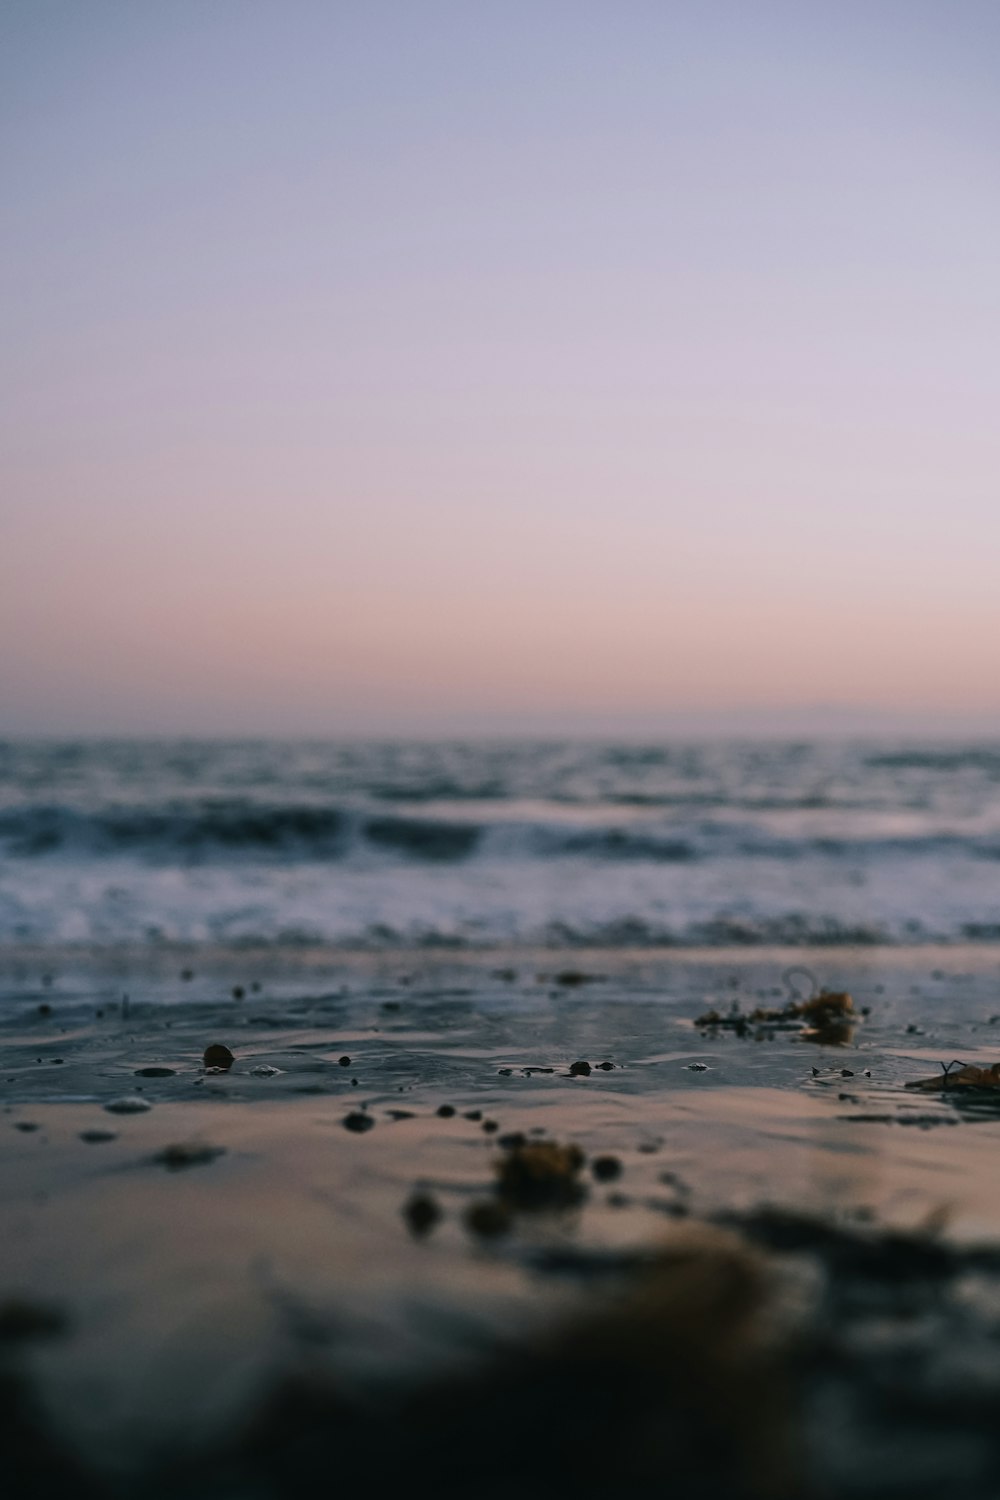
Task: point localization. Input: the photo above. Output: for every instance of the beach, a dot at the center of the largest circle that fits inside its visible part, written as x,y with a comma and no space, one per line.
329,1214
520,1114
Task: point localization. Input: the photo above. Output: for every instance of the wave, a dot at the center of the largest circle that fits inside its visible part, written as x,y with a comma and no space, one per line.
789,930
157,928
422,837
962,758
242,830
191,829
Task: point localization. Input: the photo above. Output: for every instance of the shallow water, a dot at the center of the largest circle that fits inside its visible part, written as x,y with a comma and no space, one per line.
188,1289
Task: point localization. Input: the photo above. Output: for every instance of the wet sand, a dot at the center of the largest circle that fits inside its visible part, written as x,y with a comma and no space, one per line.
168,1272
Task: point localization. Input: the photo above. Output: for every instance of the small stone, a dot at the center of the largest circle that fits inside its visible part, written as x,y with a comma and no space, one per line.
579,1069
128,1104
264,1070
155,1072
45,1009
97,1137
358,1121
218,1056
345,1061
697,1067
846,1073
606,1067
473,1114
490,1127
606,1168
187,1154
487,1218
446,1111
25,1125
238,992
505,1072
421,1212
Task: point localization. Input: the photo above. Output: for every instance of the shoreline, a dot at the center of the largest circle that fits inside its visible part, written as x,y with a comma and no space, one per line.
305,958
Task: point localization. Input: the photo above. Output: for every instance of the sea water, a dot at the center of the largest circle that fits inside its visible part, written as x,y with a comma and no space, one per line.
471,844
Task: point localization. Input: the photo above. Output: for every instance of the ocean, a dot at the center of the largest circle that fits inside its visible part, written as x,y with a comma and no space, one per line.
471,845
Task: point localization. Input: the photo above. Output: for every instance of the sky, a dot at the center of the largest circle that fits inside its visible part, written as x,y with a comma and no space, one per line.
519,366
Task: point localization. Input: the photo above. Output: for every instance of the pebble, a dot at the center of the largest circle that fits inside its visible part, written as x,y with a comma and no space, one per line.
422,1211
129,1104
155,1072
218,1056
186,1154
264,1070
97,1137
487,1218
358,1122
579,1069
606,1168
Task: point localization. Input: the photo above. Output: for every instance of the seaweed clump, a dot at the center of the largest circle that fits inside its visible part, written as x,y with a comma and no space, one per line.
959,1075
828,1017
540,1174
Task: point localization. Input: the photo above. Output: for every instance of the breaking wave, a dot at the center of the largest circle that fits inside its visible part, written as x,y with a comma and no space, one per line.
469,845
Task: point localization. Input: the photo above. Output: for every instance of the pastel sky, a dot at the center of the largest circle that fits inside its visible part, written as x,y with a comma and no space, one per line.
401,366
